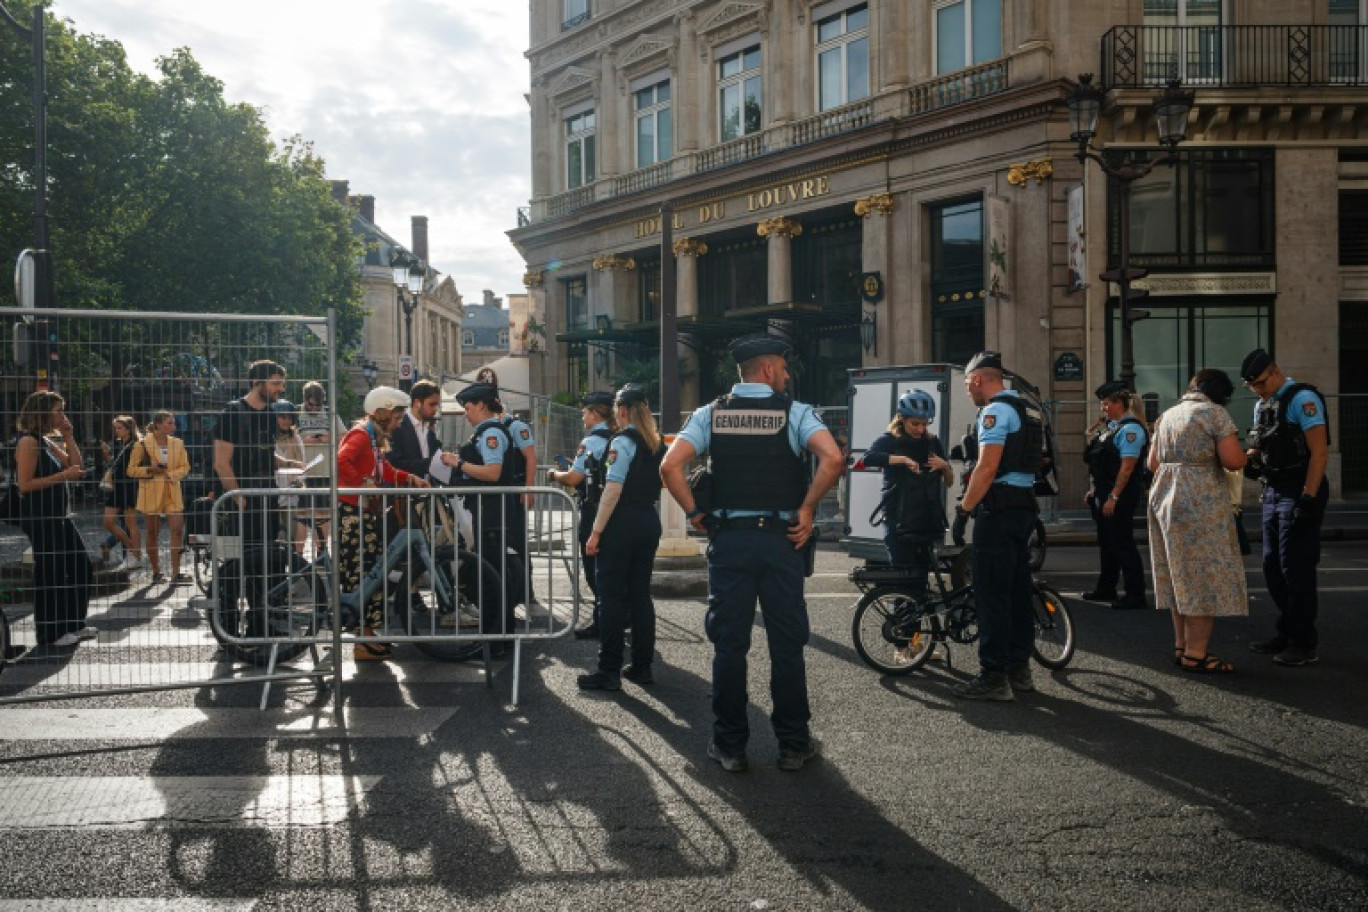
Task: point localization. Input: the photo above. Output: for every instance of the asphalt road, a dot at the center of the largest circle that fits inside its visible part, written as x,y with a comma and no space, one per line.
1123,783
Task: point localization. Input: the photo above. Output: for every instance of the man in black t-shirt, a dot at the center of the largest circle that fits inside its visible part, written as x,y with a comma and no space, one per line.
244,447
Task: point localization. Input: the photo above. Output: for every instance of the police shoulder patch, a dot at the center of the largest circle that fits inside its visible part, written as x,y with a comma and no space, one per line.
612,457
1130,437
580,451
1309,409
525,433
989,421
492,441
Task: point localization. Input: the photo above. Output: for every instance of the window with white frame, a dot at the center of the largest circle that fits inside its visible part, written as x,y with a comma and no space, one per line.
739,105
575,12
1348,42
579,149
1182,40
652,105
468,338
967,32
843,57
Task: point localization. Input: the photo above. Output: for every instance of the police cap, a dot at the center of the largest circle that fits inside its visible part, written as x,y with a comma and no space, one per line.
984,359
598,397
753,346
630,395
1255,363
478,392
1112,389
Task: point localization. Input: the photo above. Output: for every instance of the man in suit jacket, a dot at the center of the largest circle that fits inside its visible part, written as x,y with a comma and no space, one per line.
414,447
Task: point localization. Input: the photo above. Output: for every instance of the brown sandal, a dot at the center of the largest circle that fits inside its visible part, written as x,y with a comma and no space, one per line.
1178,653
1207,664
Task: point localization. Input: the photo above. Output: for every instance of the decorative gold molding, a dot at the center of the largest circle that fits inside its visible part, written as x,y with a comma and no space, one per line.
613,261
881,203
690,247
533,278
1018,175
779,226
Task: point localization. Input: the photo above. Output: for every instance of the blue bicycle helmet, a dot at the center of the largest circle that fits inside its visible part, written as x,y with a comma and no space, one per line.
917,404
284,407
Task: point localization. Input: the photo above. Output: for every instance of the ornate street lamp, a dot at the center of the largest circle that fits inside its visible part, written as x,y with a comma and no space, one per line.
1171,110
371,371
869,331
408,272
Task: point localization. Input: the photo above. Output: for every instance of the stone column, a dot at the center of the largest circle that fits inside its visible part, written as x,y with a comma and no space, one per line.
894,43
688,103
687,251
545,128
540,355
607,139
876,212
780,232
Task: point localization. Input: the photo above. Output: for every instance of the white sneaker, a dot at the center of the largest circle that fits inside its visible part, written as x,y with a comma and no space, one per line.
86,633
65,640
131,564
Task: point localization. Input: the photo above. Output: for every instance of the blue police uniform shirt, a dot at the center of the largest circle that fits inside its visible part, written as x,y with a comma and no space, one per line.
520,433
995,421
620,457
590,447
1304,410
803,424
1129,441
491,444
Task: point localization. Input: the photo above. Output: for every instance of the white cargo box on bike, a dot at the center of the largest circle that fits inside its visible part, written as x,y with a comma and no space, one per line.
873,397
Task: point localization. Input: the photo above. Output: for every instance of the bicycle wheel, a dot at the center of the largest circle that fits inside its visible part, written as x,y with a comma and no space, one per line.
202,564
885,642
4,640
1036,547
1054,628
487,584
289,610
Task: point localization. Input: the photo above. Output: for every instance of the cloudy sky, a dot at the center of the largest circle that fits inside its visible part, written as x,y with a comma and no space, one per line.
418,103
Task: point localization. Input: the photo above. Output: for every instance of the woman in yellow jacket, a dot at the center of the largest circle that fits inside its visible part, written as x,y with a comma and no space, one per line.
159,462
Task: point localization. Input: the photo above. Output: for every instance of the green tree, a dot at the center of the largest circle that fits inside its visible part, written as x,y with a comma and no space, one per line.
163,196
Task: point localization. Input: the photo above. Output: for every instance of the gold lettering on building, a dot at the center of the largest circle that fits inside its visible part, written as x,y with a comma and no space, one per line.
787,193
649,226
711,212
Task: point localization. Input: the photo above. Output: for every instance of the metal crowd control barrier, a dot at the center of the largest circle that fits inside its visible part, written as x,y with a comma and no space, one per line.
404,566
133,629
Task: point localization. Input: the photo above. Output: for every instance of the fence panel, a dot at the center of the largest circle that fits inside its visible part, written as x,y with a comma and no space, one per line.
96,610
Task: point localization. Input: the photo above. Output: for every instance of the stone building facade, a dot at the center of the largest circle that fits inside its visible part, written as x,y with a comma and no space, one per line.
894,182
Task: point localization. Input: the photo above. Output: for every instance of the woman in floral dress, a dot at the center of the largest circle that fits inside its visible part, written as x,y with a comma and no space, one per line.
1198,572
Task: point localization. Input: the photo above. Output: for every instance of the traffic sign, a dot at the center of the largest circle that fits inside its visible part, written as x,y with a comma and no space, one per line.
406,368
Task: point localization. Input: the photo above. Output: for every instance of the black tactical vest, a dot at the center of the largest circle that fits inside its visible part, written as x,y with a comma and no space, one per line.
1282,442
595,469
519,464
1104,459
915,504
488,513
1025,447
642,486
753,466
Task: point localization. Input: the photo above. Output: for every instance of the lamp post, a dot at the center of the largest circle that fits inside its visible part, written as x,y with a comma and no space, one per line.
371,371
408,273
43,279
1170,113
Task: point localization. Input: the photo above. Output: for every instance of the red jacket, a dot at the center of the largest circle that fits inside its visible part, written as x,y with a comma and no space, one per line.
357,461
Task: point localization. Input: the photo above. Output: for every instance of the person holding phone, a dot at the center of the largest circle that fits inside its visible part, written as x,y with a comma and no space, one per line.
159,462
586,476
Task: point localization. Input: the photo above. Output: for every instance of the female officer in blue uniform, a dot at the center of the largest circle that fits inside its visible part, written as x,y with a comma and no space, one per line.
625,536
1114,459
915,476
586,476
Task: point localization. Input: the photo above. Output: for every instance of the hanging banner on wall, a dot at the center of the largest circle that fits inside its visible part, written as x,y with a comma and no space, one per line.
999,254
1078,256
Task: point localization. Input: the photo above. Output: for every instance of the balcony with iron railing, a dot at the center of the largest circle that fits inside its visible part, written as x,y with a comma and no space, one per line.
925,98
1236,56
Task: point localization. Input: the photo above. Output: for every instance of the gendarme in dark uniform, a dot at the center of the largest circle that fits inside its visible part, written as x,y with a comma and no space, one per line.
760,524
1000,497
587,475
1115,461
1292,440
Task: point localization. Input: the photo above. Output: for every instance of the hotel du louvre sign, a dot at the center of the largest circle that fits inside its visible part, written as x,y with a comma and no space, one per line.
770,196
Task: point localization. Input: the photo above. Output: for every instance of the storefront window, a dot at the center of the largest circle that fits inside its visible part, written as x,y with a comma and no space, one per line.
957,281
733,275
1182,338
648,290
576,303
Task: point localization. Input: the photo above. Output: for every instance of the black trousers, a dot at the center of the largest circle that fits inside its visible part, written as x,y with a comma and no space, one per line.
1116,545
1290,554
627,550
587,512
61,576
1002,588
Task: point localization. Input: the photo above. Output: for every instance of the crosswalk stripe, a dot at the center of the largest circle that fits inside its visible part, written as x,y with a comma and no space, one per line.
73,723
130,802
101,904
